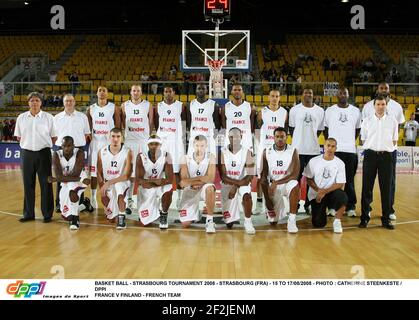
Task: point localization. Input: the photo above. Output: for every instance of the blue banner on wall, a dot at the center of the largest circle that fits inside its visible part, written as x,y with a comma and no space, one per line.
10,153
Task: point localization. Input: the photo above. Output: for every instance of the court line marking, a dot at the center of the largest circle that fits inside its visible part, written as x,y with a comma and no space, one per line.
218,230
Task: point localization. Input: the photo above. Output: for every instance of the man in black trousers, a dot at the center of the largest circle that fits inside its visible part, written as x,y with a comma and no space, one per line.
35,133
379,133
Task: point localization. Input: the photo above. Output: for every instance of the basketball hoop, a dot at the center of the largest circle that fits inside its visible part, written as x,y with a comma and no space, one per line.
216,77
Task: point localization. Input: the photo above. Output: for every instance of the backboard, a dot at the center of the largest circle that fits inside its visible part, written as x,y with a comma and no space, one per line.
200,46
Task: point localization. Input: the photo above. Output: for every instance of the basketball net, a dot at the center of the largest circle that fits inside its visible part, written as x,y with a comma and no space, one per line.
216,77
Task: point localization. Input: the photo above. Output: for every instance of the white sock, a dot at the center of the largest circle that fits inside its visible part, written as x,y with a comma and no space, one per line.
94,191
130,190
292,216
336,219
82,207
247,219
122,213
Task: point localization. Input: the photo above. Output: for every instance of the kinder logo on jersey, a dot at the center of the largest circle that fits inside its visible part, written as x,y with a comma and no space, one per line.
20,289
182,213
144,213
272,214
226,215
65,209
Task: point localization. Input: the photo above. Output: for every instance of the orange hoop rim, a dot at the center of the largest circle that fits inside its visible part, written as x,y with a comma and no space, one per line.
215,65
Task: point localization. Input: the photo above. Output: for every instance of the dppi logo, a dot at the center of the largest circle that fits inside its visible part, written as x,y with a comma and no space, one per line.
27,290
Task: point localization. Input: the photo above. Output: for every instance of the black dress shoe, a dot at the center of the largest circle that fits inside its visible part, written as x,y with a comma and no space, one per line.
26,219
363,224
388,226
47,220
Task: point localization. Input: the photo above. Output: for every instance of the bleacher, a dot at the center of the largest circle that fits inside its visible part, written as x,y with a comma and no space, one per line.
340,47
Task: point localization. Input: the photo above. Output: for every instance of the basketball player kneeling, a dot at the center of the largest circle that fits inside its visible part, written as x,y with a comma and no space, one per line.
113,176
197,174
236,170
279,178
154,175
68,166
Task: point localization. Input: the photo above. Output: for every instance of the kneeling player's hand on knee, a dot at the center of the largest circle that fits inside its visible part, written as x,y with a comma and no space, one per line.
104,188
272,189
232,192
51,179
86,181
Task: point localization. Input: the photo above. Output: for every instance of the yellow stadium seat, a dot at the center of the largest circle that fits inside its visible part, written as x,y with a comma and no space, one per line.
408,99
117,98
85,98
283,99
250,98
359,99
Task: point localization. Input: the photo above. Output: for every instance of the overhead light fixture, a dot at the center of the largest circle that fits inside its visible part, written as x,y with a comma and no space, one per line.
26,3
345,1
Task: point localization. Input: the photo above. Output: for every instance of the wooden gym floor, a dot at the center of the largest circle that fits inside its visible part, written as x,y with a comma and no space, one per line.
97,250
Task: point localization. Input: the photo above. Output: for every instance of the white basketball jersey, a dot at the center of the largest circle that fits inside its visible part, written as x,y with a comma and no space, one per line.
170,122
113,165
154,170
279,161
239,117
102,120
195,169
202,121
271,121
136,120
235,163
67,165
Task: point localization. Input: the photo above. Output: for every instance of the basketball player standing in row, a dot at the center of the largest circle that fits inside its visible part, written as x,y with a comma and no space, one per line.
137,120
269,118
343,123
395,110
238,113
103,116
306,122
203,118
168,119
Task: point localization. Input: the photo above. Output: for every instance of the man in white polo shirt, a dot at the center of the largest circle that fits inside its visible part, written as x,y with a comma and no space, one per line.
411,131
36,135
306,122
343,122
326,178
71,123
393,109
379,133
